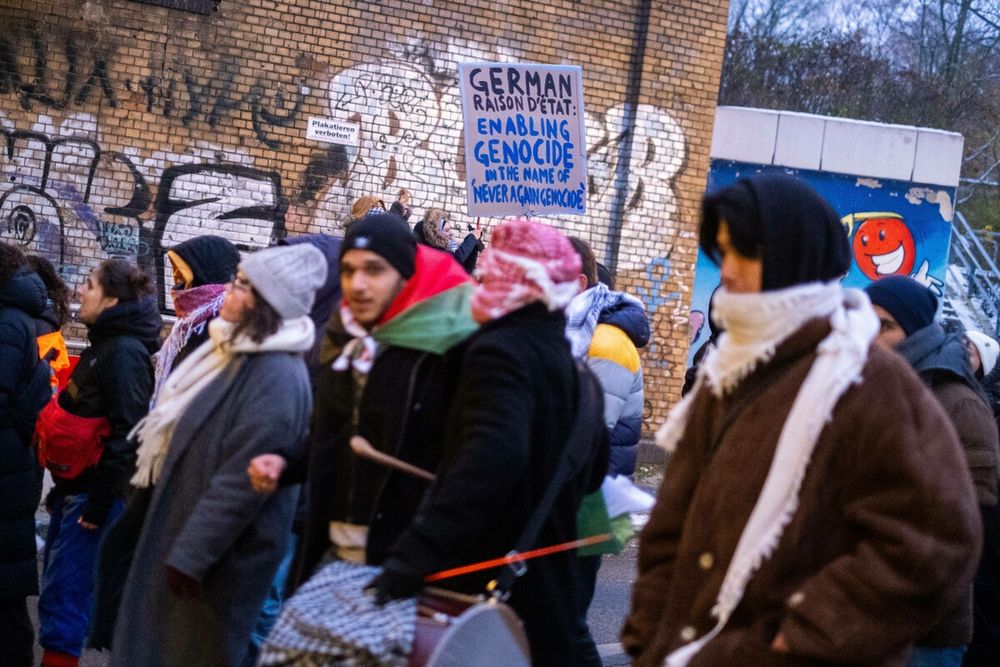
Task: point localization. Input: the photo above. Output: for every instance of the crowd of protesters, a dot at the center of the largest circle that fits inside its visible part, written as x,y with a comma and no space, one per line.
402,400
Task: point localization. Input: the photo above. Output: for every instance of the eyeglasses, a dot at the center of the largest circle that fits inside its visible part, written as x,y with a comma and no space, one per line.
240,282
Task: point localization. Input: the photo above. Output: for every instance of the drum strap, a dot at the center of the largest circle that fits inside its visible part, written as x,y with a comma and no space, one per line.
583,440
515,557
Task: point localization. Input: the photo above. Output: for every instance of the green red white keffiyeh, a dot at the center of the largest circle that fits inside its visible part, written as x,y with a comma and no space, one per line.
431,313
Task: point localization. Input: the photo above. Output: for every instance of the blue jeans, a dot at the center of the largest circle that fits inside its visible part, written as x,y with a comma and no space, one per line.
936,657
272,605
68,575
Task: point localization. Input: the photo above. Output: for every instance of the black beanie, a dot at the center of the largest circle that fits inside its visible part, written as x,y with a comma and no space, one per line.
911,304
385,235
212,259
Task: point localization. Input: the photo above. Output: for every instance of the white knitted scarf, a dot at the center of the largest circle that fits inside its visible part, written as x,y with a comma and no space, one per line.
840,360
155,431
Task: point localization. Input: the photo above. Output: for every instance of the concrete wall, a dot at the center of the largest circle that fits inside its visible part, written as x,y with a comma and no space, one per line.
893,186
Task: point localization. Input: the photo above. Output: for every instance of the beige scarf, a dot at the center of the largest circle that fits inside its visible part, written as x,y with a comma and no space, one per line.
752,334
155,431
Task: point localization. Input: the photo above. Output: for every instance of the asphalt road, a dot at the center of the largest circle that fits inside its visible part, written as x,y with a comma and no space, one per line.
614,583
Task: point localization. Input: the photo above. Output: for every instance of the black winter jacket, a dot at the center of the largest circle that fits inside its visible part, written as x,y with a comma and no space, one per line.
114,379
402,412
507,430
467,252
24,390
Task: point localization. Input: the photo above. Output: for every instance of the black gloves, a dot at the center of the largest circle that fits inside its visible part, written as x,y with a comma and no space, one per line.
96,509
398,580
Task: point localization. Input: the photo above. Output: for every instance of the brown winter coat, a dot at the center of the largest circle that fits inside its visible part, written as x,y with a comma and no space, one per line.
885,540
977,433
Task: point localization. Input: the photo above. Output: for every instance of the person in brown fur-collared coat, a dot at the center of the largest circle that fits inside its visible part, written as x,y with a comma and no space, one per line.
817,509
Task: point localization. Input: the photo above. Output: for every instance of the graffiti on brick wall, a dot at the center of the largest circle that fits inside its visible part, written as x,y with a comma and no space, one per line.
63,196
411,137
67,198
76,201
658,152
240,203
177,91
661,306
73,69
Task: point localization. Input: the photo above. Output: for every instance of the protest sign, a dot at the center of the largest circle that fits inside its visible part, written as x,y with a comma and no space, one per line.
525,147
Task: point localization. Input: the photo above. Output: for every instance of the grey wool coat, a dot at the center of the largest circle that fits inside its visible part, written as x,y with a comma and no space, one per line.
205,519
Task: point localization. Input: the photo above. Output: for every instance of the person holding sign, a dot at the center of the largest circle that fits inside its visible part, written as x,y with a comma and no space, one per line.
434,231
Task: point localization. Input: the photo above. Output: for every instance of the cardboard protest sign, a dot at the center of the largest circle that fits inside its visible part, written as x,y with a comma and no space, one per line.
525,147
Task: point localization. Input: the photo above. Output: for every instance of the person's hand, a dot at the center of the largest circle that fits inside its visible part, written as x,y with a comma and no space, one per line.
181,584
86,525
478,231
779,645
265,471
396,581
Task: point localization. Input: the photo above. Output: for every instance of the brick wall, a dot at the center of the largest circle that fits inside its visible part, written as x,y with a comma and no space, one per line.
130,127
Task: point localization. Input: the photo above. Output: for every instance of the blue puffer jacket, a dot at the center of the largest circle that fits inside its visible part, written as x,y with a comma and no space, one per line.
614,357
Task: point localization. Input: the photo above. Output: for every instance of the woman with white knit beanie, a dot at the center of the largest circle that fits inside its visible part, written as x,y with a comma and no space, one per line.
210,546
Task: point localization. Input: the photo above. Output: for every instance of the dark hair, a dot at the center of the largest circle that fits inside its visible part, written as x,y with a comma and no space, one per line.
604,276
122,280
258,322
54,285
11,259
737,207
587,261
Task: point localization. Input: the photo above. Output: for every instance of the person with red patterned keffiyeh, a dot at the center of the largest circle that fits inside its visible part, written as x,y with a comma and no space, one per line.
508,429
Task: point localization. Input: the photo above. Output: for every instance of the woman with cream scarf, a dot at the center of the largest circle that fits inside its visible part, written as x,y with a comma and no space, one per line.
210,546
817,508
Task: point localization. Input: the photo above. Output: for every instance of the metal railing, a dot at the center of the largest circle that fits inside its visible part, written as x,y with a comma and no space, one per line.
976,288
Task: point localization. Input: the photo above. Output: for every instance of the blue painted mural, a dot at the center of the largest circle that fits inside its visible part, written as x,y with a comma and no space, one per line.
895,227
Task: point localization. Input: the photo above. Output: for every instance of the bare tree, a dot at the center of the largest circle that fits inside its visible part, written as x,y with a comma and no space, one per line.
933,63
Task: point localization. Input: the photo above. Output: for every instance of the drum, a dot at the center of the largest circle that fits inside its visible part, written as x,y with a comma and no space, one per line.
455,630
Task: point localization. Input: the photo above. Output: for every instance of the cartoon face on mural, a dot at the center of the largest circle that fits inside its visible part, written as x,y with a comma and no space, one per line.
883,245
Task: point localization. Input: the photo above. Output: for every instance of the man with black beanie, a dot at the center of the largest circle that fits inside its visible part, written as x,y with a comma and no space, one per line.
798,515
388,366
907,312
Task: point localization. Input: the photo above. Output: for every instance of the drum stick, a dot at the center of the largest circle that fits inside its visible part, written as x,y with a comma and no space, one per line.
364,449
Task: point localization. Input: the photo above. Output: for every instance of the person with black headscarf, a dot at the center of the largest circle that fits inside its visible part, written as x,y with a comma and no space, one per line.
907,311
817,508
201,268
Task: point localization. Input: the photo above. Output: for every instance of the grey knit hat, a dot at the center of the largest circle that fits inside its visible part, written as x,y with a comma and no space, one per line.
287,277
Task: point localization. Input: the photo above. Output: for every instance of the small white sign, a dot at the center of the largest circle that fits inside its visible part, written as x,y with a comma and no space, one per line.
333,131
